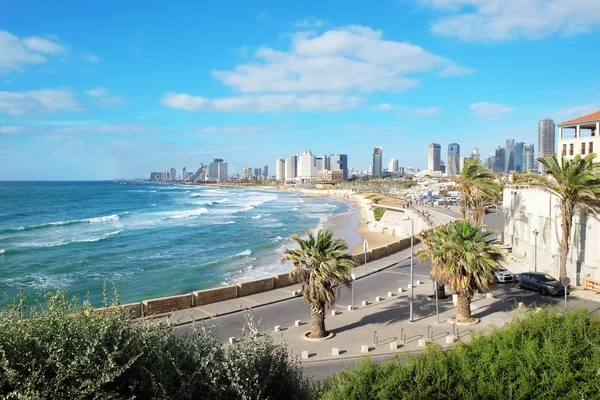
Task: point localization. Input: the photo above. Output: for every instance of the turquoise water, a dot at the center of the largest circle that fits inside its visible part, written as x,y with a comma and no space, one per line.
151,240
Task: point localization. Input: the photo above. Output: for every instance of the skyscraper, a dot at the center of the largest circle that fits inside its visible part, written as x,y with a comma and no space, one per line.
528,158
475,154
339,162
173,174
546,140
247,173
222,173
519,156
509,154
393,165
265,170
321,163
280,169
307,170
453,159
291,168
377,162
499,160
434,158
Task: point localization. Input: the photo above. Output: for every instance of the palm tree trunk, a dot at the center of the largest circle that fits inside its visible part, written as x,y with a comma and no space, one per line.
567,221
441,291
464,308
463,205
317,329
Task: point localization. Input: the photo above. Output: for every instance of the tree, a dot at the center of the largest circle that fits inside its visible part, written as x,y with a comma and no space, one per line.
321,264
576,183
432,239
475,183
462,258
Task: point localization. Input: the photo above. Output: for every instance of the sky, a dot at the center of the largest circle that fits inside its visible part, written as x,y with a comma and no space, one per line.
117,89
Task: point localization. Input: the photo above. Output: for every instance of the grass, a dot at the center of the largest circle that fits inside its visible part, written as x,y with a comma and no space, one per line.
378,213
544,355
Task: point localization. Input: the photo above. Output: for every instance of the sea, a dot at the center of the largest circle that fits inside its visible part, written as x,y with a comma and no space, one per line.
147,240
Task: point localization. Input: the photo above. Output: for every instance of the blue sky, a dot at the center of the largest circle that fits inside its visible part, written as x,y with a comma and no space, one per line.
99,90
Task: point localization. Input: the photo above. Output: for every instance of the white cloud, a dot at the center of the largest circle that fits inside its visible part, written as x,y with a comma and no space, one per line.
578,111
263,104
232,130
90,58
309,23
404,110
10,129
16,53
38,102
354,58
489,110
121,129
481,20
104,98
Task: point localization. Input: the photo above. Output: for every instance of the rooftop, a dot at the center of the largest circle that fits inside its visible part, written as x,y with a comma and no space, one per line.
586,118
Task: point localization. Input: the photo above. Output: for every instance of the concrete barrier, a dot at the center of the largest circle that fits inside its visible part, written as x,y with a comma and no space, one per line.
132,309
257,286
283,280
378,253
392,248
359,259
210,296
167,304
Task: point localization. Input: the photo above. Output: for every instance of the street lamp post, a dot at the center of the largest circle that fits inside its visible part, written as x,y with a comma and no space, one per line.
535,234
412,284
366,248
353,282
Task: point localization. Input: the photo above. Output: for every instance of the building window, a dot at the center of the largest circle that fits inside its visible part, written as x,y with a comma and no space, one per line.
571,149
564,150
591,147
582,148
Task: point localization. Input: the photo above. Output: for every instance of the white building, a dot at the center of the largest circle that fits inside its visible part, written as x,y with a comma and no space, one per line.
529,209
307,170
393,165
434,158
280,169
222,175
579,136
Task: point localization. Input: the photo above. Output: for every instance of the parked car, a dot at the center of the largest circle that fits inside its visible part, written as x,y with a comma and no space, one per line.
543,283
503,275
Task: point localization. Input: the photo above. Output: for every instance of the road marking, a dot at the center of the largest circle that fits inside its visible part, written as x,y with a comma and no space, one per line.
204,311
250,301
405,273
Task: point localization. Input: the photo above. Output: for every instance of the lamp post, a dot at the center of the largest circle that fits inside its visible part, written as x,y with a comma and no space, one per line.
412,234
366,248
535,234
353,283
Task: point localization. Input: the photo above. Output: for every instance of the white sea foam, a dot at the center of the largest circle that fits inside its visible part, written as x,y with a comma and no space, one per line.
184,213
1,251
113,217
246,252
256,216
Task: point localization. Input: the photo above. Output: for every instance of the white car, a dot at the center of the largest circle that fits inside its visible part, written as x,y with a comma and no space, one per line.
503,275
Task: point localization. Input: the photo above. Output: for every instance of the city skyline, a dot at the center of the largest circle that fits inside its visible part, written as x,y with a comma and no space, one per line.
141,86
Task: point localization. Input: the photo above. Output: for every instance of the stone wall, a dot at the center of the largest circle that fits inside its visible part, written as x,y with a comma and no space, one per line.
283,280
257,286
209,296
167,304
133,309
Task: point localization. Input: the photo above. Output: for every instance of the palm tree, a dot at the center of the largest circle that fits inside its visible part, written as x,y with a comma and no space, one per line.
465,261
321,264
432,239
475,183
576,183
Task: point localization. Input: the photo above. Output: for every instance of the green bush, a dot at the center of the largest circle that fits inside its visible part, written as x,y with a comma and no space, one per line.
378,213
544,355
66,350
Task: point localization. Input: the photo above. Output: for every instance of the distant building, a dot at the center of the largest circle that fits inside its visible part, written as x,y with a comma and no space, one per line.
156,176
217,170
307,170
173,174
519,156
393,165
475,154
265,171
291,168
222,173
584,138
499,160
326,175
434,158
321,163
247,173
528,158
509,155
453,159
257,172
280,169
377,162
183,174
339,162
546,140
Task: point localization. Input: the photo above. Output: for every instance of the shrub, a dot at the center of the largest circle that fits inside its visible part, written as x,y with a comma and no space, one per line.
66,350
544,355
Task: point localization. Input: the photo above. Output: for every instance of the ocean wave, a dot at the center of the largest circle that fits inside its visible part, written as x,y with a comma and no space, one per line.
1,251
66,242
256,216
244,253
277,239
277,225
95,220
184,213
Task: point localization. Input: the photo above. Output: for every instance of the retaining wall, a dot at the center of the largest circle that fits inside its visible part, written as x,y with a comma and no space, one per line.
209,296
167,304
133,309
283,280
257,286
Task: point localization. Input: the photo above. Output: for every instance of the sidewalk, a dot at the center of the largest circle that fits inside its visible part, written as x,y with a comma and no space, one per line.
270,297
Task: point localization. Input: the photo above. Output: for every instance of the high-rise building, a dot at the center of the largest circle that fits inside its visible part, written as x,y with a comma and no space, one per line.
434,158
291,168
307,170
499,160
173,174
214,170
321,163
475,154
519,156
546,140
265,171
528,158
393,165
222,173
453,159
257,172
247,173
509,155
280,169
339,162
377,162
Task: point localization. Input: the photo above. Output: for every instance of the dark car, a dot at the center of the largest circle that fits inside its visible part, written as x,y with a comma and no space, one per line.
543,283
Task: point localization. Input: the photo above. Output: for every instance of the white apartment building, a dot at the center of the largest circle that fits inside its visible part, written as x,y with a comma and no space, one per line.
307,169
393,165
579,136
528,210
280,169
